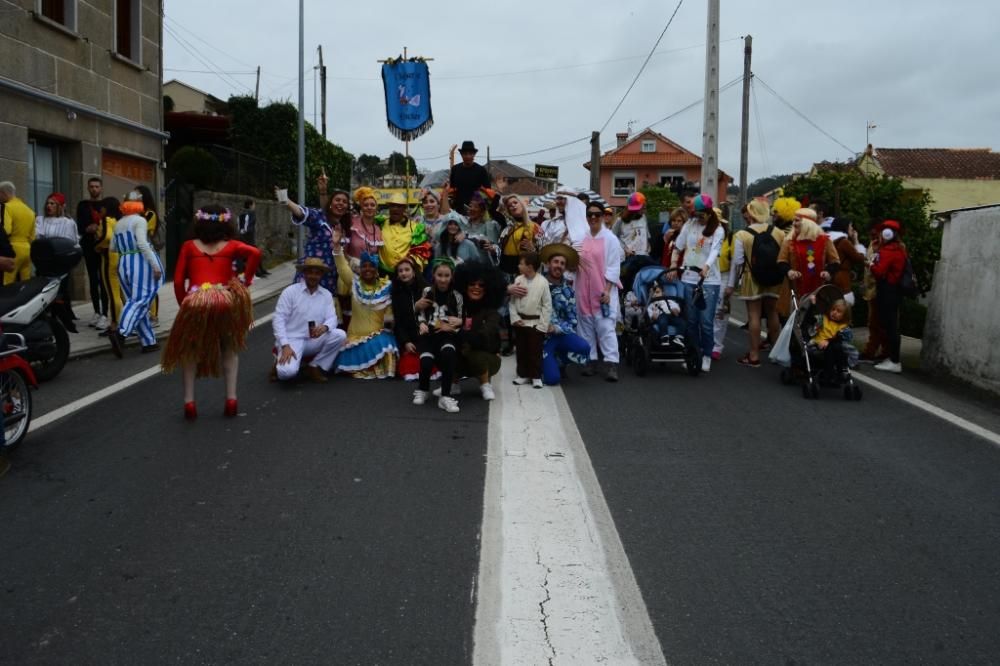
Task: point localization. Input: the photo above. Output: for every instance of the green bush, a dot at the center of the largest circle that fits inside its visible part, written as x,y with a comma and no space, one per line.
912,316
195,166
658,199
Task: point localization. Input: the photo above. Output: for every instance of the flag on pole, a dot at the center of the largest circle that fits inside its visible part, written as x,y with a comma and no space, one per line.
407,97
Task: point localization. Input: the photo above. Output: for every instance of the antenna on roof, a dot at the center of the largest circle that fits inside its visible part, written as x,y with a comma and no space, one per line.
868,131
628,126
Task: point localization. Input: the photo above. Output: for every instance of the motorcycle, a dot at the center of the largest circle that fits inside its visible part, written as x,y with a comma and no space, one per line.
16,381
39,311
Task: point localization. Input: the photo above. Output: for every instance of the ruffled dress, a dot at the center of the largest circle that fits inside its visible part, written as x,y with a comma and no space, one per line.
370,351
404,240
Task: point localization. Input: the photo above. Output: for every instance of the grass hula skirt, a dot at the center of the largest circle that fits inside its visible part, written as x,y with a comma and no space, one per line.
213,317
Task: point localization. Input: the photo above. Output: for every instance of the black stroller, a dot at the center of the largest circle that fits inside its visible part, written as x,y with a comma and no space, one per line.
802,361
642,345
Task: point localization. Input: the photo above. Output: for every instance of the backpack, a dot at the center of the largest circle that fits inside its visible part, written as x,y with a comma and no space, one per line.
908,281
764,258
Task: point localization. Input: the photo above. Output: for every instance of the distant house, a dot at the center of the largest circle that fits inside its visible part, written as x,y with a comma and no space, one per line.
519,181
188,99
954,177
649,158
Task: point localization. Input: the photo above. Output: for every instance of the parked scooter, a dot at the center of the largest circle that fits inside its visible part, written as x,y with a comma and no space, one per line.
39,310
16,382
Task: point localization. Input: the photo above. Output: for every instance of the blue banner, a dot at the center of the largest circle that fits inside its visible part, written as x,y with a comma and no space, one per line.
407,98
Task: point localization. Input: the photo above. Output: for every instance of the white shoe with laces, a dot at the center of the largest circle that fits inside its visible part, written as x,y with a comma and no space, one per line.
93,320
102,323
449,405
706,363
537,383
419,397
487,391
889,366
521,381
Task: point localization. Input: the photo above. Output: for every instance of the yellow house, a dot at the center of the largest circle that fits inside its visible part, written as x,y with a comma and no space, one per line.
954,177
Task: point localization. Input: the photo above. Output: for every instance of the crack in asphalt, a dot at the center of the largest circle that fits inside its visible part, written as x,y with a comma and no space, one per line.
541,608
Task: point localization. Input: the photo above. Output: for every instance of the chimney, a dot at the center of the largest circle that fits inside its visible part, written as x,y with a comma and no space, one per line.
869,150
622,138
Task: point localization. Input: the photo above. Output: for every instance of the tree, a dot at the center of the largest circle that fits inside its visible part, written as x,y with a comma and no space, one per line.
195,166
397,164
867,201
765,185
369,168
272,132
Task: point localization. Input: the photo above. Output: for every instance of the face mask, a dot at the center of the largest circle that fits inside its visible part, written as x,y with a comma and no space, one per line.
887,234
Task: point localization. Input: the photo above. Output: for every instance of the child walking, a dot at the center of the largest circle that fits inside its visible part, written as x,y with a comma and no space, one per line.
439,319
530,317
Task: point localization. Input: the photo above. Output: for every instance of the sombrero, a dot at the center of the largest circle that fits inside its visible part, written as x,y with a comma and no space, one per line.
563,250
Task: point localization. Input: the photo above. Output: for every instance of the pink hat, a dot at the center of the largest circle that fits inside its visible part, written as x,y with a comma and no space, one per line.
636,201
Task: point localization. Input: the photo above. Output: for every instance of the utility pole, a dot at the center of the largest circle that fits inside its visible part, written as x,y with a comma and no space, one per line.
301,193
595,162
322,88
745,130
256,88
710,134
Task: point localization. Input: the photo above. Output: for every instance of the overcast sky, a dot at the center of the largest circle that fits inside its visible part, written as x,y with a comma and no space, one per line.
530,75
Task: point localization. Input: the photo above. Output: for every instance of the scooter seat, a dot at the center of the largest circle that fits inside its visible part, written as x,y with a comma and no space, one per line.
18,293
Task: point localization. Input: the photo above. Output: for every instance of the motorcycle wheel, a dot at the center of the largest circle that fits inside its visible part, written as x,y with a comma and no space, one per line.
15,405
48,368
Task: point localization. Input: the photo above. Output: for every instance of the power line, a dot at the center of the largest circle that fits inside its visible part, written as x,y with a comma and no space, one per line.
803,116
208,71
644,63
208,43
760,132
187,46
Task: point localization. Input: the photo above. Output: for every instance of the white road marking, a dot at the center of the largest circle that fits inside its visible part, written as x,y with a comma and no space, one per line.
87,401
554,586
954,419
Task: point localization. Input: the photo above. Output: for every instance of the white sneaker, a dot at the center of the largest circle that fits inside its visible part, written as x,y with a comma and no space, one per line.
154,322
102,323
521,381
449,405
487,391
537,383
706,363
93,320
889,366
419,397
456,389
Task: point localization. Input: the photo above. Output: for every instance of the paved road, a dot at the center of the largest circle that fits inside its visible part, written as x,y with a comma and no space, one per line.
312,529
317,528
765,528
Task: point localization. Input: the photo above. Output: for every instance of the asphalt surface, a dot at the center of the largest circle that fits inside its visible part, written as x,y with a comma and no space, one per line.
317,527
764,528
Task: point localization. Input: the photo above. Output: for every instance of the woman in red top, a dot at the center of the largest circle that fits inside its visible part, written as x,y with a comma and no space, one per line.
887,266
216,311
808,258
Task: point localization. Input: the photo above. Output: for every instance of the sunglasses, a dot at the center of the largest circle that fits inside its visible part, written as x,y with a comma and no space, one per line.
595,215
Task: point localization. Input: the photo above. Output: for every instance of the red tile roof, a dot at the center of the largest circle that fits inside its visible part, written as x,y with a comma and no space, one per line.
957,163
650,159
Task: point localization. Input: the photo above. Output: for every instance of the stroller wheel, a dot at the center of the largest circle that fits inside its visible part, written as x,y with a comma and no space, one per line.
848,393
855,391
692,361
626,349
640,362
806,393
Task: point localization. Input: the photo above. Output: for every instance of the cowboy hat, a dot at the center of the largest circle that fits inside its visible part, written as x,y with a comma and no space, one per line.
562,250
313,262
468,147
397,199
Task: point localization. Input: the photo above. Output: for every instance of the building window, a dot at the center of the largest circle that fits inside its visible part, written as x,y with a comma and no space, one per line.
48,171
672,180
649,146
623,183
62,12
128,29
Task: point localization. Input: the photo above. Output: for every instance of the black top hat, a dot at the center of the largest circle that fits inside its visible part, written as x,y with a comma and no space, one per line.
468,147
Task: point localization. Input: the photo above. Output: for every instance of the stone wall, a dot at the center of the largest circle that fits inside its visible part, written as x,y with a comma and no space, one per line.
275,232
962,317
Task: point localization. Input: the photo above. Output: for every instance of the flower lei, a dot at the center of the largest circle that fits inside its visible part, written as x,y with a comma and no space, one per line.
213,217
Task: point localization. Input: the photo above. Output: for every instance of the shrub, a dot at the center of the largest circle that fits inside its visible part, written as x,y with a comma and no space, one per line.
194,165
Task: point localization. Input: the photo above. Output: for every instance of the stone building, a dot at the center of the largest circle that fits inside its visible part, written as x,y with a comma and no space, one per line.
81,96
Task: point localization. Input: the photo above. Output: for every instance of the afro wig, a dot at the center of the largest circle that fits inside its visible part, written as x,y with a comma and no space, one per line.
491,277
784,209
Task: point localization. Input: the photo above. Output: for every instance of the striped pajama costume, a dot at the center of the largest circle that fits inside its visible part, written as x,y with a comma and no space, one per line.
136,262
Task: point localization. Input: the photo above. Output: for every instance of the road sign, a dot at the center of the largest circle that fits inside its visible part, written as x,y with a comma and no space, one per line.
546,171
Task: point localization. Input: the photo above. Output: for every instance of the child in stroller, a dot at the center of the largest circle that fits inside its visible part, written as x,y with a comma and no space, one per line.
665,315
833,330
655,324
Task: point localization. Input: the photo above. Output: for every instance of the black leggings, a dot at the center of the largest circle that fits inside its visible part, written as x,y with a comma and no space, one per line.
439,348
888,300
98,296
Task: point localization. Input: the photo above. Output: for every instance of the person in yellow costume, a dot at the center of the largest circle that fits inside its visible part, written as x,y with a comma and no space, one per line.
109,261
370,352
19,223
402,237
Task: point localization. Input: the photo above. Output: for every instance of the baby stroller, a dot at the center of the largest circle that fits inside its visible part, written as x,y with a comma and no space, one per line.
802,361
643,344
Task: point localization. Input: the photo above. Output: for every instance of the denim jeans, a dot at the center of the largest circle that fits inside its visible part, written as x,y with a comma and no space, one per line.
701,323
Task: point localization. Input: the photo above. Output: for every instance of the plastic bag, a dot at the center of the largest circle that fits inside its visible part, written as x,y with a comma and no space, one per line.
780,352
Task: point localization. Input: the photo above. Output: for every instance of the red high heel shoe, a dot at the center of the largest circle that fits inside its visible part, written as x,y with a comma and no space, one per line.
232,408
190,411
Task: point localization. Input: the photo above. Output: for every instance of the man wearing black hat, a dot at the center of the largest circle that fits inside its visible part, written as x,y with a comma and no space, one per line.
467,176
